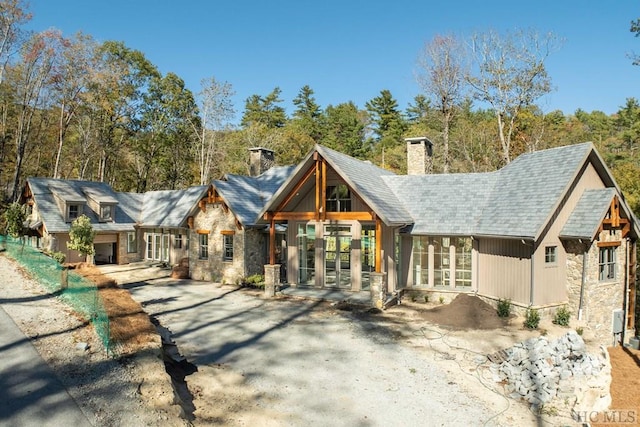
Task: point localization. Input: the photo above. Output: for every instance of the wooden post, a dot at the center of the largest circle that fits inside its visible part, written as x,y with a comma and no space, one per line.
272,242
378,246
323,189
318,185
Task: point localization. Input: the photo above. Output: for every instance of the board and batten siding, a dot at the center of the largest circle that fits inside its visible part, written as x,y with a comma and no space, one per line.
550,279
504,268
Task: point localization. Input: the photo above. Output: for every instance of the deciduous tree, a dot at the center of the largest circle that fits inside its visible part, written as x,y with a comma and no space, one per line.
440,74
216,112
81,236
509,74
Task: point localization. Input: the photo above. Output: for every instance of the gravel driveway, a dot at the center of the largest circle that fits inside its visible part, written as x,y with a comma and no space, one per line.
311,364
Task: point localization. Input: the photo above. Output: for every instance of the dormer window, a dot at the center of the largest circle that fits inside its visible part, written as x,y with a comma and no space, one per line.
106,213
74,211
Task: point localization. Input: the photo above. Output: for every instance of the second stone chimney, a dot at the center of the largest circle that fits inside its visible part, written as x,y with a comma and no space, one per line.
419,156
260,160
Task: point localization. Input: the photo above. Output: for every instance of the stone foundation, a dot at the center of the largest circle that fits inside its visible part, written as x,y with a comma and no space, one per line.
271,279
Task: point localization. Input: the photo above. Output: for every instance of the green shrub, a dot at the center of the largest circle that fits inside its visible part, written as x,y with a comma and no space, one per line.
426,298
59,256
562,316
504,307
579,330
441,299
532,318
256,281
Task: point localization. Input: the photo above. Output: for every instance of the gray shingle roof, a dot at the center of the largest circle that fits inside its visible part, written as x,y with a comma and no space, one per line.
152,209
528,190
169,208
584,221
246,196
368,181
443,204
74,191
516,201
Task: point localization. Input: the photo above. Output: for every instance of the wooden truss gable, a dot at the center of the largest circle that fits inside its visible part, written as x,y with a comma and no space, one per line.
614,221
318,171
211,198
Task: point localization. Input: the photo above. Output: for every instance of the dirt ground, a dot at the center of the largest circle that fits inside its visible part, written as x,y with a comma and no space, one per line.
220,395
625,389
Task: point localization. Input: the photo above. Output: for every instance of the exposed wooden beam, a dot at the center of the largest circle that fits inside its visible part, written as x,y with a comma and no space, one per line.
318,184
227,232
626,229
350,216
608,244
323,190
282,216
378,246
272,242
295,190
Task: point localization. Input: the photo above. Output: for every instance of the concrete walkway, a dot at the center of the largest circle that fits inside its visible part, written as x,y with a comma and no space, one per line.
30,392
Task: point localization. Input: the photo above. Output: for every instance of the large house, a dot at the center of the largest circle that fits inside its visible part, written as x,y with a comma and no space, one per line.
549,229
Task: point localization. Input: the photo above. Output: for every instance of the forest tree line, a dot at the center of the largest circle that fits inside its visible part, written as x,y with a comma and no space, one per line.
75,108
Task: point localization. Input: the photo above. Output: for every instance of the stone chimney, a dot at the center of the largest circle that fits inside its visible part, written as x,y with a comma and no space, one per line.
419,156
260,160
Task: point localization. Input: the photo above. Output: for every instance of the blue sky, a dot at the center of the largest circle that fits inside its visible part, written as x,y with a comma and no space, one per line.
350,50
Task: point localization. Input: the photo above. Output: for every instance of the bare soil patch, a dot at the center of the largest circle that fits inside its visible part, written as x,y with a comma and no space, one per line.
465,312
625,388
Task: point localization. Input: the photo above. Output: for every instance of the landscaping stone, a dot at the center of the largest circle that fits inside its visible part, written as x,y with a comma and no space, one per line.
538,370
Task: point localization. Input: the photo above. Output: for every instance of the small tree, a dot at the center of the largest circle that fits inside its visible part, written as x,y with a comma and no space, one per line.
81,236
14,218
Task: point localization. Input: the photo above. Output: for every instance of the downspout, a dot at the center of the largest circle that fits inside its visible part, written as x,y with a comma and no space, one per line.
533,251
585,258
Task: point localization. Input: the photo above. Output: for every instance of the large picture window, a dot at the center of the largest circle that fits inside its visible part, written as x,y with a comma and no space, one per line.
607,263
306,237
421,261
463,261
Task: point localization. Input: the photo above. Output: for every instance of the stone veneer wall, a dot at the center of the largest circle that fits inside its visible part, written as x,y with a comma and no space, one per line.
255,243
123,256
600,298
214,268
419,160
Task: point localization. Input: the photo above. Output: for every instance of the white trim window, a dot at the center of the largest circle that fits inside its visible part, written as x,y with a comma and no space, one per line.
550,254
106,213
73,212
131,242
177,243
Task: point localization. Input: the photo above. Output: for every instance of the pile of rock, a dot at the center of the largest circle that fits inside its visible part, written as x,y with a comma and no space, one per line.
538,370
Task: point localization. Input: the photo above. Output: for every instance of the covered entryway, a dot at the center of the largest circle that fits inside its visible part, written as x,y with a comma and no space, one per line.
337,256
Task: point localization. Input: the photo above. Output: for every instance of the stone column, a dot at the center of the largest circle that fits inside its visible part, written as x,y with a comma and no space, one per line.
271,279
377,289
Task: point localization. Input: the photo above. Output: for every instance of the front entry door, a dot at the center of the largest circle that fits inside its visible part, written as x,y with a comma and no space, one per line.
337,258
